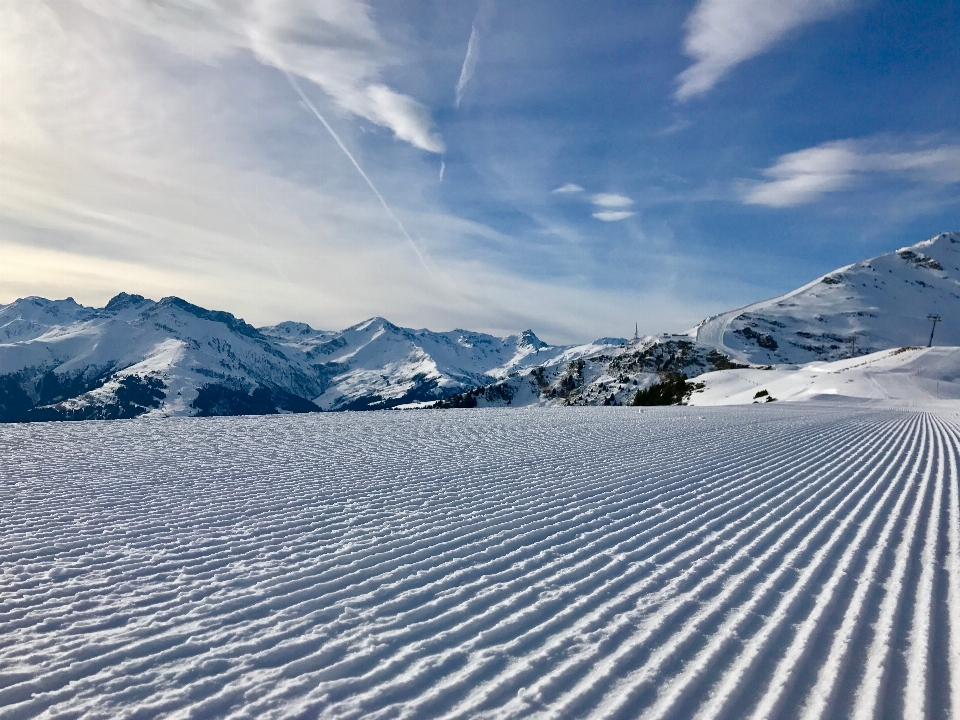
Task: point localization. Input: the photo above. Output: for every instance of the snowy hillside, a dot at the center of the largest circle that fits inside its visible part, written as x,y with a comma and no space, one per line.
60,360
596,374
882,303
777,561
376,364
905,376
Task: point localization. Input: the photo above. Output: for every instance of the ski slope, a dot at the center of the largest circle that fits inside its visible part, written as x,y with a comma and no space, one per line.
773,561
880,303
912,376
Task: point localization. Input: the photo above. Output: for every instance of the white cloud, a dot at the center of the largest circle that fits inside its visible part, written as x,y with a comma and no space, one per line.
803,176
610,205
721,34
333,43
611,200
127,165
613,215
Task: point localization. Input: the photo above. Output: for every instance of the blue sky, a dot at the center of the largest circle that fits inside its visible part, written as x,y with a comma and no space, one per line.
603,163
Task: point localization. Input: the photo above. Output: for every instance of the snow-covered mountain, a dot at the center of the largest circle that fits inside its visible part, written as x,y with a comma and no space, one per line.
61,360
376,364
880,303
597,374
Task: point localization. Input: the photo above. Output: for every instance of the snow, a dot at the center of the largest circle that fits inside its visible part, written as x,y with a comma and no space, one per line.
883,302
774,560
399,365
183,345
211,362
911,376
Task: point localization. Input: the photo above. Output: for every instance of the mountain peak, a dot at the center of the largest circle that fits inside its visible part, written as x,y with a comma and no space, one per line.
123,300
238,325
529,339
376,321
291,328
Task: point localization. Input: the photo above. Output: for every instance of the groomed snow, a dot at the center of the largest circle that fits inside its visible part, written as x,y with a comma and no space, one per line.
911,376
783,561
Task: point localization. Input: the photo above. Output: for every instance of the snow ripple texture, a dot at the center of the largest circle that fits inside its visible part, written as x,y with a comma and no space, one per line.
767,562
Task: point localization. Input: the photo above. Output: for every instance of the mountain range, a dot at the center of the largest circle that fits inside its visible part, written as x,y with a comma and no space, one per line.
60,360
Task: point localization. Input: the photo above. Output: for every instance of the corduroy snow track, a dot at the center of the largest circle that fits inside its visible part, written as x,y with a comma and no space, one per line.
758,562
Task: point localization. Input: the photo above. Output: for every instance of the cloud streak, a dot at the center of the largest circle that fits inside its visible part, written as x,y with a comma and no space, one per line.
484,13
611,207
334,44
313,109
613,215
611,200
721,34
469,64
804,176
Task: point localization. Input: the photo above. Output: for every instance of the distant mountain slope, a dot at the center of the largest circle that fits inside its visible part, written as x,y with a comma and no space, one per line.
60,360
597,374
881,303
377,364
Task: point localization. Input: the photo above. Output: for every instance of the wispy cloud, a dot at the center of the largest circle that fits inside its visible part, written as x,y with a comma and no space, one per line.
613,215
353,160
610,207
803,176
484,13
469,64
721,34
611,200
334,44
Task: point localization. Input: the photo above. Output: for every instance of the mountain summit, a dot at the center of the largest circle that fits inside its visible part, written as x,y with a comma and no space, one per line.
871,305
60,360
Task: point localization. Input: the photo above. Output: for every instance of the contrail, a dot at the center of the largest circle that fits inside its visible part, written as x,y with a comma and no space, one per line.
484,13
306,100
469,63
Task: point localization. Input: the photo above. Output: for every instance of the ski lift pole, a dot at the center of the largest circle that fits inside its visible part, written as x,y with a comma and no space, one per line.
934,319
